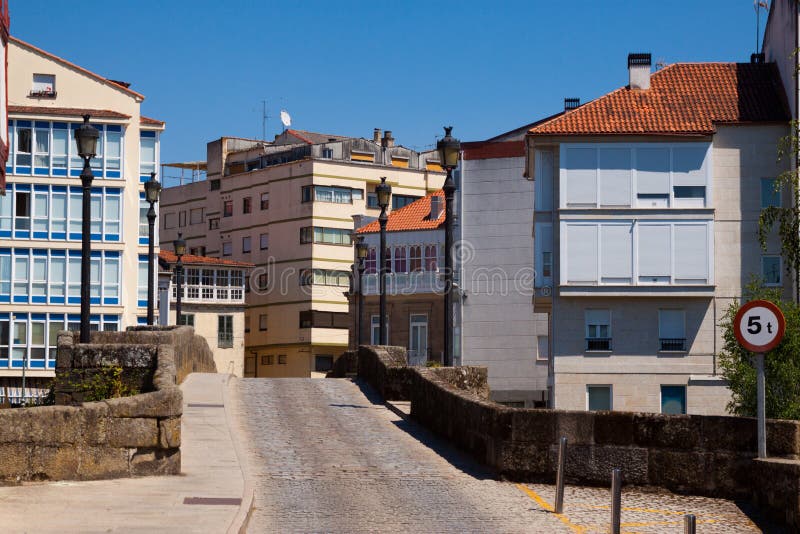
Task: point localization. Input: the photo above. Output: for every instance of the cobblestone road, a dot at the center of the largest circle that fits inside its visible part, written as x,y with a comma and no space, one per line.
327,456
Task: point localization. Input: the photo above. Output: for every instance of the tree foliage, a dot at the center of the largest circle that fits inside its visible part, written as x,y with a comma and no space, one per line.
781,365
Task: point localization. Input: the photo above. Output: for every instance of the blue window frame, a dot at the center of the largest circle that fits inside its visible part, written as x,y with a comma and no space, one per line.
673,399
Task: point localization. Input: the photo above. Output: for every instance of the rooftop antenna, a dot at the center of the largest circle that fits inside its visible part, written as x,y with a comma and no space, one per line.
757,5
264,118
660,64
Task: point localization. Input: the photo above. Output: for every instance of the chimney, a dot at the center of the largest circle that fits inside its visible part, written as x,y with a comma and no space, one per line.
757,58
571,103
376,135
639,71
436,207
388,140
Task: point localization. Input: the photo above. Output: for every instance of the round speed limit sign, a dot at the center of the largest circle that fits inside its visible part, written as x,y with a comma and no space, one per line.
759,326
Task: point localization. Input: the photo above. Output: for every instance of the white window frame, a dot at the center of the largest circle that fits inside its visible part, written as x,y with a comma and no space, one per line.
610,394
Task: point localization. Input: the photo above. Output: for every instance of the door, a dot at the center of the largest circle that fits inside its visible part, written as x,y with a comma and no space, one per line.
418,340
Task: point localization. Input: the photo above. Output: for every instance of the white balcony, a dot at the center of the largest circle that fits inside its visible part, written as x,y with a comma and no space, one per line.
406,283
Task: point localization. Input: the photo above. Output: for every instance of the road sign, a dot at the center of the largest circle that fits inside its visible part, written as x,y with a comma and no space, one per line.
759,326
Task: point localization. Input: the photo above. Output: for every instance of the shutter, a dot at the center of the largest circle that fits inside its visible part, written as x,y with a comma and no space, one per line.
654,252
614,166
615,253
652,171
671,324
544,180
691,253
581,167
688,166
581,254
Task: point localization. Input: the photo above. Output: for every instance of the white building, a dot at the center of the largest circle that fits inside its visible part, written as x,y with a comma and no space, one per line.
40,214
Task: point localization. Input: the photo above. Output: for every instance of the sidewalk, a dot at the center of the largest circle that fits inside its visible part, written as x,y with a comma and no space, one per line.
210,496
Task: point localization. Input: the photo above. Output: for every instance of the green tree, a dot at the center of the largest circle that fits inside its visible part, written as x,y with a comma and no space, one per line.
786,217
781,365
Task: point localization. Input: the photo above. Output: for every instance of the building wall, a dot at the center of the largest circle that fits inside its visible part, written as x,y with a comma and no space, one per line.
206,317
284,298
780,42
499,329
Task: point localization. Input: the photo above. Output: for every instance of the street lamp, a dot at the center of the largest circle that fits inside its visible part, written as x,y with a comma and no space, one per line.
180,249
152,190
361,252
86,140
384,193
449,150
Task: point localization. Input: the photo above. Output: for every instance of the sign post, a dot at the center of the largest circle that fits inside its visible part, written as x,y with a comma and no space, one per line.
759,327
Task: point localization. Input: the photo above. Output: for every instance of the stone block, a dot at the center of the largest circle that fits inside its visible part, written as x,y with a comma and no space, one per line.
525,460
42,425
99,463
614,428
54,463
169,433
163,403
132,432
592,464
14,461
729,433
534,426
681,432
680,471
156,462
783,438
730,474
578,427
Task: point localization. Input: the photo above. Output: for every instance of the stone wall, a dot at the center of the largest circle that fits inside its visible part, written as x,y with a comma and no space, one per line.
695,454
385,369
129,436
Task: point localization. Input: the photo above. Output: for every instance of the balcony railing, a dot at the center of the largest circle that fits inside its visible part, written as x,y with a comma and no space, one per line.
405,283
672,344
210,294
598,344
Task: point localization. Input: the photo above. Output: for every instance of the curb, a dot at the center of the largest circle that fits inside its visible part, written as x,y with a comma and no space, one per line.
242,518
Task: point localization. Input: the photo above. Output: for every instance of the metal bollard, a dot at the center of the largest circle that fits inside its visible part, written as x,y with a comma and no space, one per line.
616,500
689,524
562,458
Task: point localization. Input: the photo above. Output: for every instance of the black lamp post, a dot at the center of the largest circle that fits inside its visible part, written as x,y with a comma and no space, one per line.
86,139
384,193
361,252
152,190
449,150
180,249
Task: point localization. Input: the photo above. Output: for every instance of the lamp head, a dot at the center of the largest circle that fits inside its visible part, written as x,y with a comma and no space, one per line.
384,193
449,149
180,246
86,138
361,248
152,189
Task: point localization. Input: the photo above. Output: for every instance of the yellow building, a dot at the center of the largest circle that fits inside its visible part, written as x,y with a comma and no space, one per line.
40,214
288,206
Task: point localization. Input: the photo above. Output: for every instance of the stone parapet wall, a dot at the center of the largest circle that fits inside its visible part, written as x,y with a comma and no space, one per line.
695,454
120,437
385,369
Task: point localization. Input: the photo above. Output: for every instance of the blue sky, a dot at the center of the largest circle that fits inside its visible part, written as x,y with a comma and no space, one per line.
347,67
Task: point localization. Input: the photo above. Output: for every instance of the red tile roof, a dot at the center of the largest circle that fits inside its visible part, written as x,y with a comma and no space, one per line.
683,99
414,216
489,150
149,121
167,256
68,112
111,83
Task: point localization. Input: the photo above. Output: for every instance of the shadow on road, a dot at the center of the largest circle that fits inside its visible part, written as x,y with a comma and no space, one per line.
458,459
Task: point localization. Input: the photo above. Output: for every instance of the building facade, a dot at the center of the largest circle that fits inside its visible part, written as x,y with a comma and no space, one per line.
287,206
40,213
414,285
212,301
653,194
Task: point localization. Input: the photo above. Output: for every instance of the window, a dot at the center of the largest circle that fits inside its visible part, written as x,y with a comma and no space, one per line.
141,296
400,263
214,185
281,359
371,263
246,244
374,330
415,258
323,362
262,282
319,193
547,264
169,220
147,153
187,319
328,236
372,201
213,224
542,347
225,331
227,208
264,201
769,195
672,330
262,322
673,399
22,211
267,359
771,270
362,157
246,323
324,319
399,201
431,258
327,153
196,216
598,330
324,277
264,241
44,85
24,148
182,219
598,398
227,249
247,205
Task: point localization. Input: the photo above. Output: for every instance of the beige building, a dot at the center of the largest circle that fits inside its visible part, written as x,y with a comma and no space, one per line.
212,301
287,206
40,214
647,201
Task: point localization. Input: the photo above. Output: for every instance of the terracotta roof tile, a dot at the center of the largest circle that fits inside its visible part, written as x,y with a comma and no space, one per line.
149,121
683,99
414,216
68,112
489,150
167,256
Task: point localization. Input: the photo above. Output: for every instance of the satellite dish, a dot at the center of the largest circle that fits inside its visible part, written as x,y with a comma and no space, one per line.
286,119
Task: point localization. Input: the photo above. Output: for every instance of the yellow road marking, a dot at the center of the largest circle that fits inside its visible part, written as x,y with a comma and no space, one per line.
547,506
653,523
